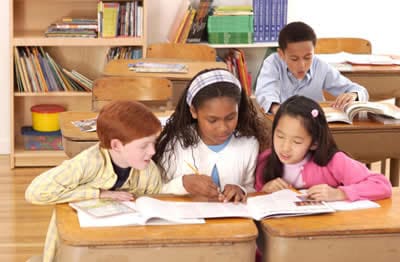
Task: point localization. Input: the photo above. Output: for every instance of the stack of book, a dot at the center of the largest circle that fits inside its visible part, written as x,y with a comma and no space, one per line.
124,52
270,16
231,25
36,71
120,18
236,63
73,27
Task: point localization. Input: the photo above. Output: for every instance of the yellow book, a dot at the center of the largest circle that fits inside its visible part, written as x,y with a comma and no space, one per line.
110,19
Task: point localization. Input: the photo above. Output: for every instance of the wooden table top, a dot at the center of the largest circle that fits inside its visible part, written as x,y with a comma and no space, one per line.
219,230
71,132
383,220
119,67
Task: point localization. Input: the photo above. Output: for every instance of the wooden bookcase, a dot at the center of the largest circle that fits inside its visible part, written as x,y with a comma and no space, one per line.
28,22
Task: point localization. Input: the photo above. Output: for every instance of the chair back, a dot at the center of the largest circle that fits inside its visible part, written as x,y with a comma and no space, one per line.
153,92
349,45
196,52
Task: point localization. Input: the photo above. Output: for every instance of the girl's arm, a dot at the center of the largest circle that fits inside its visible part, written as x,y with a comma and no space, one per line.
358,182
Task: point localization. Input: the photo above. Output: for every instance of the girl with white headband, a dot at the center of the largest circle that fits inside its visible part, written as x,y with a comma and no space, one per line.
210,144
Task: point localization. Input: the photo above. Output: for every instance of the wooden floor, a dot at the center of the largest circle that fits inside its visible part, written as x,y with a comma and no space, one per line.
23,226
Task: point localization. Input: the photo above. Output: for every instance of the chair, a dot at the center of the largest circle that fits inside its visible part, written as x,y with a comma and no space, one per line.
349,45
342,44
197,52
153,92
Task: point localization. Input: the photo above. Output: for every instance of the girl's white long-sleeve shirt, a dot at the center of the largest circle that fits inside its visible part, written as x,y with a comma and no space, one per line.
235,163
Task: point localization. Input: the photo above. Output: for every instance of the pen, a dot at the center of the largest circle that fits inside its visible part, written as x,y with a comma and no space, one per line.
192,168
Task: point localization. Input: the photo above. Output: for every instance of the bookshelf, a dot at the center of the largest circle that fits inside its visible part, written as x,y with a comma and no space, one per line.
28,22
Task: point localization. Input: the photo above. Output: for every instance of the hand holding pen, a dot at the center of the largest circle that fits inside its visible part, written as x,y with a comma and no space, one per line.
198,184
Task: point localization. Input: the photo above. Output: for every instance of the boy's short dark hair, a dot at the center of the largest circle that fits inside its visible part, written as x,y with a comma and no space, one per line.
126,121
296,32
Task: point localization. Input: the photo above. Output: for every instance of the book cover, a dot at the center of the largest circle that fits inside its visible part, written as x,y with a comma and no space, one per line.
198,31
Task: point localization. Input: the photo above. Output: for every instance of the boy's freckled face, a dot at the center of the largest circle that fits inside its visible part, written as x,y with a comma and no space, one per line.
138,153
298,57
217,119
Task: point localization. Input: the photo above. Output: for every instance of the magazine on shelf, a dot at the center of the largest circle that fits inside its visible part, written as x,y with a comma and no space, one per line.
108,213
147,67
352,109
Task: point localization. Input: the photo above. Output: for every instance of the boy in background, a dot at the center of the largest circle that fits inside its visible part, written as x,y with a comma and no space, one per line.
294,70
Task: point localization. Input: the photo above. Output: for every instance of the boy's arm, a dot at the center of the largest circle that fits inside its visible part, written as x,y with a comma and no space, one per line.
268,84
335,83
66,182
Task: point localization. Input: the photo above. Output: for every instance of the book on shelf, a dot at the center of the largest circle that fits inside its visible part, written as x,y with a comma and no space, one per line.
106,213
198,30
146,67
36,71
177,25
352,109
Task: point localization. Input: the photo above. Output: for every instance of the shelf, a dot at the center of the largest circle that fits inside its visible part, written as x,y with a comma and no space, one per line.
63,94
38,157
37,38
254,45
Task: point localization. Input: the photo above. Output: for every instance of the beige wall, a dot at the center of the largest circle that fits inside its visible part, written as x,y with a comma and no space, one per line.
370,19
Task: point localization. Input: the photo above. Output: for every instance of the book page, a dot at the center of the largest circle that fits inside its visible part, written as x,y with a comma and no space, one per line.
284,203
158,68
102,208
86,125
174,210
347,205
335,115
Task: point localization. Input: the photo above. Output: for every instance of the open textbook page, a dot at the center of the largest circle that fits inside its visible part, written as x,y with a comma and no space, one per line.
358,59
108,213
281,203
352,109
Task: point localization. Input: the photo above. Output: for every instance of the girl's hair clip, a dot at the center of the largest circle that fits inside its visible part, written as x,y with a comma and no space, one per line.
314,113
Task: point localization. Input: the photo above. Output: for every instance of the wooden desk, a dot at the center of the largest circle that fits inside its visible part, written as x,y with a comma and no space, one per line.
368,141
224,240
367,235
119,67
382,82
74,141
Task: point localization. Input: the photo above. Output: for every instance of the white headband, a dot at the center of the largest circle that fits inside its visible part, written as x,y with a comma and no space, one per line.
207,79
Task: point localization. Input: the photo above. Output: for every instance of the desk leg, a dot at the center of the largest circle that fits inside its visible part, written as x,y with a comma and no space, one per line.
394,171
395,163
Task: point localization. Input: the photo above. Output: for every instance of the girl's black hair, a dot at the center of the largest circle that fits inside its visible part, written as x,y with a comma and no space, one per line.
179,126
301,107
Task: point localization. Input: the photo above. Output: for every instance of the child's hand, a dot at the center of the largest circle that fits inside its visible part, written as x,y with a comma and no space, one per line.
200,185
116,195
344,99
275,185
232,193
326,193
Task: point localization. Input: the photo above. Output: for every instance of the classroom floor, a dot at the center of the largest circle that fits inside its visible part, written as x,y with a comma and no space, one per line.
23,226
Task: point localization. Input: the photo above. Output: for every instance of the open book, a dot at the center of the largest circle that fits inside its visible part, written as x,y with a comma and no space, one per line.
108,213
358,59
145,67
278,204
352,109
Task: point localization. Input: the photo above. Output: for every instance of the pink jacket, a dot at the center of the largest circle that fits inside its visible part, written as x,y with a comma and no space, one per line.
351,176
